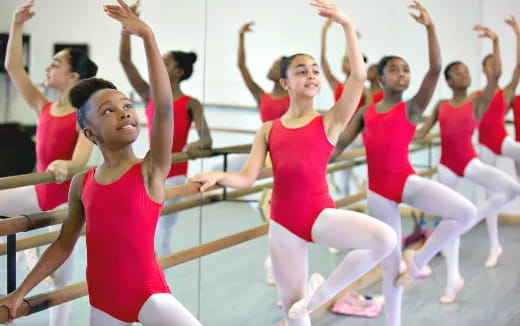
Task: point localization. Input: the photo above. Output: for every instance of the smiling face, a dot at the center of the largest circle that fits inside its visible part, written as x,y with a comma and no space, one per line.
396,75
302,77
111,119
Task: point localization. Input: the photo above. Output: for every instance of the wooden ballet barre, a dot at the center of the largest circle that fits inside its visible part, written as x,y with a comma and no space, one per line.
49,237
46,300
32,221
30,179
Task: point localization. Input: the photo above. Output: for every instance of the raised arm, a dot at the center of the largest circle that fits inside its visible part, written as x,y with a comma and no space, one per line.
428,125
157,162
337,118
331,79
419,102
354,128
14,59
57,252
509,90
197,115
125,57
250,171
481,103
253,87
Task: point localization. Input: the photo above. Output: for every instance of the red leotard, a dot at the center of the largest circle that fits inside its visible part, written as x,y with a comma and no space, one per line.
181,128
339,90
122,270
56,138
300,191
387,137
457,125
378,96
492,127
516,114
273,108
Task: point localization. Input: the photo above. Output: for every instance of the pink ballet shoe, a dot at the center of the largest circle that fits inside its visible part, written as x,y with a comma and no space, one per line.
450,298
425,272
300,308
270,280
406,276
354,304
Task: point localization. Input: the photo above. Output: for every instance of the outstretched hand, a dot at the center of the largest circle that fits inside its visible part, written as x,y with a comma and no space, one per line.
485,32
511,21
331,11
423,17
246,28
12,302
126,16
24,13
207,180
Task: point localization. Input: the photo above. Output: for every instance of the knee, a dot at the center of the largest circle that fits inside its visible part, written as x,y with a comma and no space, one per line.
386,240
467,213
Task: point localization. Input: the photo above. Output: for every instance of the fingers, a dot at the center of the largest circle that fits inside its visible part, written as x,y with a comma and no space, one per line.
124,5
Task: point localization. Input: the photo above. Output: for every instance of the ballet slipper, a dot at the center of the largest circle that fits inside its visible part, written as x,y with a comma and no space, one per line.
450,298
493,257
270,280
334,251
425,272
300,308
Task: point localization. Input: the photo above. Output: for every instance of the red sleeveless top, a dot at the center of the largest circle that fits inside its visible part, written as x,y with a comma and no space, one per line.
300,191
56,139
492,127
457,125
122,270
387,137
273,108
339,90
378,96
181,129
516,115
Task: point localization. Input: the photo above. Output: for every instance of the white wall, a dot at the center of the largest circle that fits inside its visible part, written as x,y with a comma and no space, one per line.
282,27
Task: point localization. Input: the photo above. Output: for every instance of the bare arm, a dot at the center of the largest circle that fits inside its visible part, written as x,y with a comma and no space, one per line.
157,161
197,115
14,56
250,171
509,90
253,87
354,128
337,118
428,125
481,103
419,102
125,57
57,252
331,79
80,157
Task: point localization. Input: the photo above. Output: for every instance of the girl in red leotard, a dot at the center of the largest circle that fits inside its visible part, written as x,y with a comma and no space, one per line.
59,145
492,130
458,119
302,210
271,105
186,109
388,129
125,282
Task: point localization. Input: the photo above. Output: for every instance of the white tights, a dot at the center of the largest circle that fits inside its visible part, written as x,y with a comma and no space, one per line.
368,239
510,149
502,189
430,197
161,309
163,234
23,200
